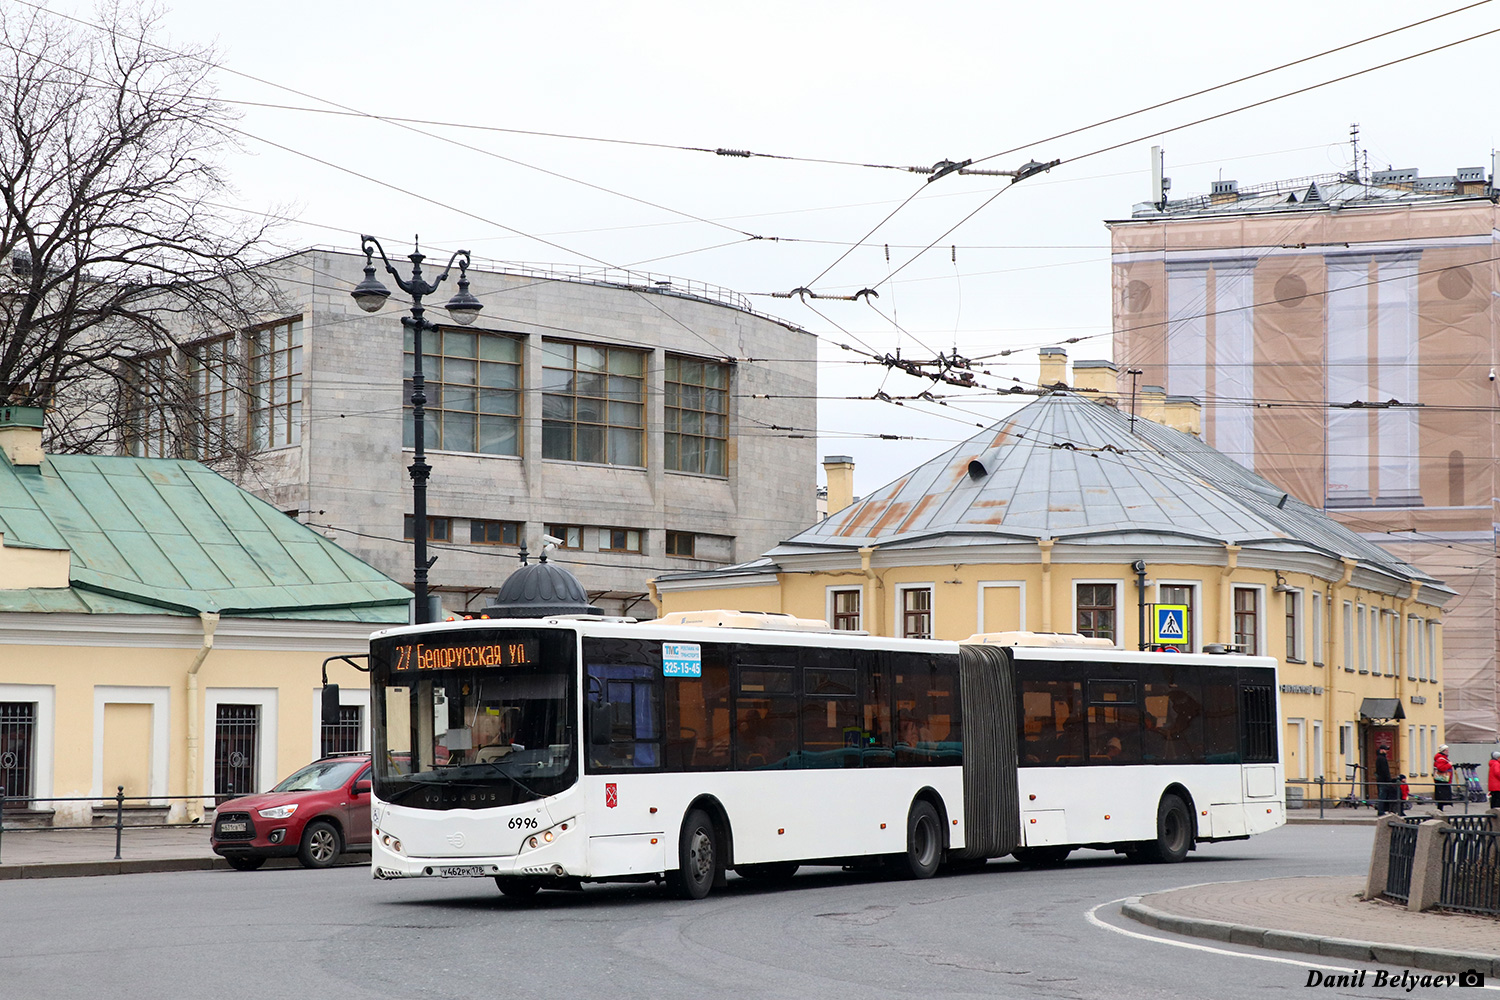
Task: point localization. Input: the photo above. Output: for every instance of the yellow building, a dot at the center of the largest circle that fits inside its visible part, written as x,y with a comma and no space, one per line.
1075,515
163,630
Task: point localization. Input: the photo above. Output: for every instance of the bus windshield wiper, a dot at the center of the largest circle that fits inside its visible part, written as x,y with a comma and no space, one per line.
513,779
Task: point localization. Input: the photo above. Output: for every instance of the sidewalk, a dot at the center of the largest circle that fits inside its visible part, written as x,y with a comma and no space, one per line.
1325,916
29,853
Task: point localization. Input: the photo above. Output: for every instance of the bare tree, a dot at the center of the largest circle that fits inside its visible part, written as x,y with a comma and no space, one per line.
110,158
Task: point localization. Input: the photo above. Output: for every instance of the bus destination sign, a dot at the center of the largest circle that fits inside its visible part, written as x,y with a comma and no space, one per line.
421,656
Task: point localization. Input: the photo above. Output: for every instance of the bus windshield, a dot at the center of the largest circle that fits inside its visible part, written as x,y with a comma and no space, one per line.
473,718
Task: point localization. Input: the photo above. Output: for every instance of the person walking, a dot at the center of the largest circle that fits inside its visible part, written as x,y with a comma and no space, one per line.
1385,788
1442,778
1495,780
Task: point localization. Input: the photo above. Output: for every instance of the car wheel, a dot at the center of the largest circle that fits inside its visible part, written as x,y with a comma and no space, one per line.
697,857
244,863
924,842
321,845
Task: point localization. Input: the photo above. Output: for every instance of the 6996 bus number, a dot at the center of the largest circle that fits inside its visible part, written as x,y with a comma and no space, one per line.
523,823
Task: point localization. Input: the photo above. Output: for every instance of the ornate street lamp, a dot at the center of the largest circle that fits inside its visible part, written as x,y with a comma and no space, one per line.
464,308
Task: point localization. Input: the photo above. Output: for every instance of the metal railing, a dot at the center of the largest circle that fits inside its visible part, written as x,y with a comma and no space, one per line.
1359,794
1471,867
118,801
1403,854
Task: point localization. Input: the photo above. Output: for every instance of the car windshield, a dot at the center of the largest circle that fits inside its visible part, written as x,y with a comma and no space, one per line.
321,776
475,718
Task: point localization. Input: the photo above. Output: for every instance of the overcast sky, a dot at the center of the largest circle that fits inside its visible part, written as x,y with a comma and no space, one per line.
868,82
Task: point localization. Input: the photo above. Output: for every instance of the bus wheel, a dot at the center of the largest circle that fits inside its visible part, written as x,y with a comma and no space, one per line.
924,842
517,888
1174,832
697,857
1042,857
767,873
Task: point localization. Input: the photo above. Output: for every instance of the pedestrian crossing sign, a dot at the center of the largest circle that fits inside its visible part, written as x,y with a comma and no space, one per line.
1171,624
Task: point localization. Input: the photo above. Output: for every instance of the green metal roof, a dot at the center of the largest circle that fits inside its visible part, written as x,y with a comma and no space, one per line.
153,536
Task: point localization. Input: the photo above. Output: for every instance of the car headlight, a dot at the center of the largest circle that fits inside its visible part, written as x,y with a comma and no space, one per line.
277,812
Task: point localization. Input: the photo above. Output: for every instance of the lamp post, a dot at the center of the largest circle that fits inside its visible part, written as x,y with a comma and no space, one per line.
464,308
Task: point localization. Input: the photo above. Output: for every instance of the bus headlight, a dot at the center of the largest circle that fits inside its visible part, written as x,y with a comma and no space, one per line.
547,836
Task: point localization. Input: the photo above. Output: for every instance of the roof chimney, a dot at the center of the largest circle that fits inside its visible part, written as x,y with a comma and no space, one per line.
1098,377
840,470
1184,413
1223,192
21,434
1154,403
1054,370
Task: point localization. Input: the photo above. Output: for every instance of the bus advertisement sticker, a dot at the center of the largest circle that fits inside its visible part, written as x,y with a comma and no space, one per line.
681,659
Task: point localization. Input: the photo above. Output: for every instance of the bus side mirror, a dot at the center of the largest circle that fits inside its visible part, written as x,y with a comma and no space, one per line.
330,704
601,721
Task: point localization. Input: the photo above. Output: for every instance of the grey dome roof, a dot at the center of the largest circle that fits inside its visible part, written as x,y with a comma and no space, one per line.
538,591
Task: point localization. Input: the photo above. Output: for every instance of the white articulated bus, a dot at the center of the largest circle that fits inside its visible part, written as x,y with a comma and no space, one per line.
552,752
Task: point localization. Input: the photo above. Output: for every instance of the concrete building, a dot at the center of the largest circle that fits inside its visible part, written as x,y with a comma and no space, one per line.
1343,334
1071,515
625,414
165,631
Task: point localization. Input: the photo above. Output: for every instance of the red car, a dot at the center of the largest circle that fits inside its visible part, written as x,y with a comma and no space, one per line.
317,814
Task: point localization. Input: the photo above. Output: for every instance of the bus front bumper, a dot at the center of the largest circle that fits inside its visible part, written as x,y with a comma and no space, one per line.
560,852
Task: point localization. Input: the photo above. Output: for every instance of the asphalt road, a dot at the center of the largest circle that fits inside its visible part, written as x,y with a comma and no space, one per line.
1002,931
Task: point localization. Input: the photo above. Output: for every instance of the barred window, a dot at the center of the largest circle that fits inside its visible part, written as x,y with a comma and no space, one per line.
343,736
148,427
276,384
211,382
593,404
473,386
697,422
17,747
494,532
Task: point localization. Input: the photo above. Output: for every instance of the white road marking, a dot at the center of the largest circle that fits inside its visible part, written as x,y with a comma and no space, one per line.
1093,918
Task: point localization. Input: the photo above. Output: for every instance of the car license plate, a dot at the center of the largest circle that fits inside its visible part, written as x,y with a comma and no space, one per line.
231,827
462,871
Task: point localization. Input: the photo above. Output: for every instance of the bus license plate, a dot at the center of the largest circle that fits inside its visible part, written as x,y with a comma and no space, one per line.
462,871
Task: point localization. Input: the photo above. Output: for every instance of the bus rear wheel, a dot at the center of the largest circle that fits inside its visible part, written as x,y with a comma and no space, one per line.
1174,833
924,842
697,857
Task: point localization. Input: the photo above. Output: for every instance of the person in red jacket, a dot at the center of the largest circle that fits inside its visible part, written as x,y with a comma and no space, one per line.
1495,780
1442,778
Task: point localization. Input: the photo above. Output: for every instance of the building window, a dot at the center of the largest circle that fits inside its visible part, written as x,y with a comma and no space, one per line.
1317,629
681,543
211,382
276,384
1247,620
1349,652
1293,624
343,736
17,747
697,416
569,536
593,404
1361,639
147,379
621,540
1183,595
1432,649
493,532
236,740
1096,610
439,529
473,386
916,613
846,610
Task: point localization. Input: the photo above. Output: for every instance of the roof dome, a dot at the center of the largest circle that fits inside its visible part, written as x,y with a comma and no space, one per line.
541,591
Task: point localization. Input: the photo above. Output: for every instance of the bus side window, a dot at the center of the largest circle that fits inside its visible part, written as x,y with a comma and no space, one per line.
1052,726
875,709
927,726
765,717
623,690
1114,722
698,728
1221,737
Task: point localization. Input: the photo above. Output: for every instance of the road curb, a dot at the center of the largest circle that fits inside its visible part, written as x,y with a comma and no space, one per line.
74,869
1409,956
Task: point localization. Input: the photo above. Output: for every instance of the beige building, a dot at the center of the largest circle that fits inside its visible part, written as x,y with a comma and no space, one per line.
165,631
1342,332
1072,516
